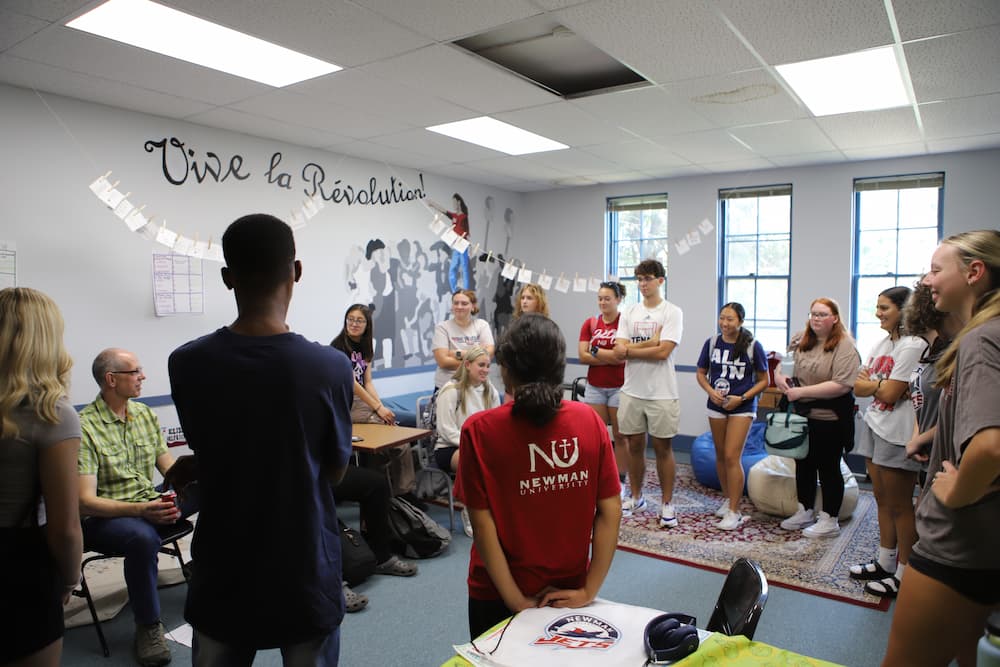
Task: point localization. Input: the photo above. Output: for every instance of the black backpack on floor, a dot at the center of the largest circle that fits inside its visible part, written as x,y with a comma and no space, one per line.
415,535
357,557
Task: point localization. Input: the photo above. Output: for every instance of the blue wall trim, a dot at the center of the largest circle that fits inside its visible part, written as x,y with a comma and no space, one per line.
680,368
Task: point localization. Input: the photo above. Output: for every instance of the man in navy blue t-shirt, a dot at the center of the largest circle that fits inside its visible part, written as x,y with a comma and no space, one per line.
267,414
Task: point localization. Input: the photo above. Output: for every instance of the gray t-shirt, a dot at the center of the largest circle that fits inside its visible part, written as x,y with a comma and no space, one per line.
967,537
19,484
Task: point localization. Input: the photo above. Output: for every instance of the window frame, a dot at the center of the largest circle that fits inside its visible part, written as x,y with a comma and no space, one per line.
615,240
774,189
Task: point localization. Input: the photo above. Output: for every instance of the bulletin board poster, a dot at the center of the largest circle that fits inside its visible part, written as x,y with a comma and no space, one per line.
178,285
8,264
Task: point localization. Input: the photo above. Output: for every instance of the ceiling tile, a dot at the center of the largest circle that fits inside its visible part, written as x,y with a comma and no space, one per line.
80,52
889,151
638,154
979,143
746,98
788,31
621,177
959,65
447,20
705,147
874,128
466,172
338,31
795,136
520,168
360,90
696,44
746,164
56,80
673,172
572,161
564,122
386,154
645,112
47,10
269,128
15,27
300,110
823,157
962,117
426,142
461,78
926,18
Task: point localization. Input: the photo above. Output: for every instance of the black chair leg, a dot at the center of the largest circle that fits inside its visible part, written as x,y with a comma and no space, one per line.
85,590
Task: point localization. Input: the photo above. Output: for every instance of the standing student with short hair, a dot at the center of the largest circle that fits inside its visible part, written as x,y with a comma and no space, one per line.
648,333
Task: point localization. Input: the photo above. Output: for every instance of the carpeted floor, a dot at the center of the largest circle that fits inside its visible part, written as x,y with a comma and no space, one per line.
789,559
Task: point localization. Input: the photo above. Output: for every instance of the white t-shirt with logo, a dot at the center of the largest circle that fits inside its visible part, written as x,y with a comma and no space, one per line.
449,336
651,379
893,360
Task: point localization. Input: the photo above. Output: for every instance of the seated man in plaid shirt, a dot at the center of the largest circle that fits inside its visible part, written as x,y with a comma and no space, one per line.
122,508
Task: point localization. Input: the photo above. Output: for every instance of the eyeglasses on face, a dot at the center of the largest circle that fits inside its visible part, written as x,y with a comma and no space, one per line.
133,372
820,316
360,321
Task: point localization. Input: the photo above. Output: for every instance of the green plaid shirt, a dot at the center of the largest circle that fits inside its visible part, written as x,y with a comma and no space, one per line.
121,453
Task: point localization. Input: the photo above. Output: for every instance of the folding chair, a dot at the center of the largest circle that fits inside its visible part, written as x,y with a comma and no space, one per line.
169,544
741,601
425,457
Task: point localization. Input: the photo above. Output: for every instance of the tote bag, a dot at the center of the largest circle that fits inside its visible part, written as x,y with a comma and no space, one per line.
787,434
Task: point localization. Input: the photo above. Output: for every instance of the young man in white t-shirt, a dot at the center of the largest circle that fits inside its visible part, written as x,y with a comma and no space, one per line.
648,332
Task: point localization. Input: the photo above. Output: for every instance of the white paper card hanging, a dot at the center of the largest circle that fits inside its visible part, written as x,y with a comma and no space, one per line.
693,237
124,208
199,250
706,226
562,285
461,244
100,186
166,237
682,247
111,197
509,271
214,253
183,245
438,225
524,275
579,284
594,284
298,221
545,281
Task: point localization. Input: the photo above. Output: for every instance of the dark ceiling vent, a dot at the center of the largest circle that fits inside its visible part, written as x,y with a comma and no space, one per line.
553,57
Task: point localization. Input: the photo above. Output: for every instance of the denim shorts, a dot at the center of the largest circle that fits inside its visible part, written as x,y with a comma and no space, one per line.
601,395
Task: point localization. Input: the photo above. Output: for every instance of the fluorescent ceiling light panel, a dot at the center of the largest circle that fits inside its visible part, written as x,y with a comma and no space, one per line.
499,136
167,31
862,81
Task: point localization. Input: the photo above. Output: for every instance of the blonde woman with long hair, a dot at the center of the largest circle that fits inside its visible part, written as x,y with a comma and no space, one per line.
39,443
953,582
468,392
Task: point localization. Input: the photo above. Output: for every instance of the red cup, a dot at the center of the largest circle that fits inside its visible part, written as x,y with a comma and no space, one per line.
169,496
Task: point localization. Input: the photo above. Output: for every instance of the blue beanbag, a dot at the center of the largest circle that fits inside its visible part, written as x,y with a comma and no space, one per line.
703,456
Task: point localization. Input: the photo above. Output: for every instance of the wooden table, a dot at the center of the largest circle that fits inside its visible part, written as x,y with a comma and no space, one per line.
380,436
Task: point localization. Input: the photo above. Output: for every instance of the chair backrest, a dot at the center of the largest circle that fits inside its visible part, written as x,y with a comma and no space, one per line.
426,419
741,601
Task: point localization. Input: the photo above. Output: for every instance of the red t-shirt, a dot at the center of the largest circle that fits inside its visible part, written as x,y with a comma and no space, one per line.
595,332
542,484
459,223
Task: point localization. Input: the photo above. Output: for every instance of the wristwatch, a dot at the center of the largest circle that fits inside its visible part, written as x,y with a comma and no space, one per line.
593,350
458,354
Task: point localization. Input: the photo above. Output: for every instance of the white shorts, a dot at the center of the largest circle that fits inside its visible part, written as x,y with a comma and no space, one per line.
660,418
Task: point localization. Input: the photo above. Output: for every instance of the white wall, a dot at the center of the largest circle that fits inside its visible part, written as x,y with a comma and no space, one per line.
74,249
570,223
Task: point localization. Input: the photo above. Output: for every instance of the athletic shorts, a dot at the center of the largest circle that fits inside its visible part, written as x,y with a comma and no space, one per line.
980,586
884,453
442,457
660,417
602,395
719,414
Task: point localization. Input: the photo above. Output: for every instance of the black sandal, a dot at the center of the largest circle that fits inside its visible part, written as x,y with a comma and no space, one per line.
884,588
869,571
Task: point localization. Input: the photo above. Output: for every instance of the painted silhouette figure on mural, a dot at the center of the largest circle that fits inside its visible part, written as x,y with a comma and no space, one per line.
460,225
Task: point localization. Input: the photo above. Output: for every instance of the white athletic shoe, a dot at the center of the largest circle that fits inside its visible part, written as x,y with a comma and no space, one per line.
723,508
731,521
825,526
668,517
800,519
630,505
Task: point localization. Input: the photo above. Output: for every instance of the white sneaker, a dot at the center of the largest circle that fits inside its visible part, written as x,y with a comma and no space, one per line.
723,508
668,517
626,491
825,526
800,519
731,521
630,505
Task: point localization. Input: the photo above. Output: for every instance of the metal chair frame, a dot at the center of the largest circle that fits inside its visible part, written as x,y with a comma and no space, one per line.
425,457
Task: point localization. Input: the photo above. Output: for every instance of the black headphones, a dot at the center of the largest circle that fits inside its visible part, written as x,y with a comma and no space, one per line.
670,637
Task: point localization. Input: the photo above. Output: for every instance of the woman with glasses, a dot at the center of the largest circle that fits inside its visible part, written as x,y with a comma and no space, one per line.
826,365
953,579
888,424
531,299
356,341
539,478
459,333
732,369
40,552
605,372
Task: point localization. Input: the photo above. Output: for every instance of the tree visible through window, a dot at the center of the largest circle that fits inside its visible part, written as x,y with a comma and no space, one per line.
637,230
755,258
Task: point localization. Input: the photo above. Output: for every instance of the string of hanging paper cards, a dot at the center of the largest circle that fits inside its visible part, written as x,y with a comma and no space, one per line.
136,220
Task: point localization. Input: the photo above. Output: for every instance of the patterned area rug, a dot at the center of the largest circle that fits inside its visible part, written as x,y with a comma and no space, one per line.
789,559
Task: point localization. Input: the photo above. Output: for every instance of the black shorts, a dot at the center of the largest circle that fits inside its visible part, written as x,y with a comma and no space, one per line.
32,593
442,457
980,586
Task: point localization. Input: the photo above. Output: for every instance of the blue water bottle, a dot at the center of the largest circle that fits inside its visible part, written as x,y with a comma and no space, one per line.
988,653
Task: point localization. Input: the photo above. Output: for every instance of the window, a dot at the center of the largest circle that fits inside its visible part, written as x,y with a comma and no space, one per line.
897,224
755,258
637,230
